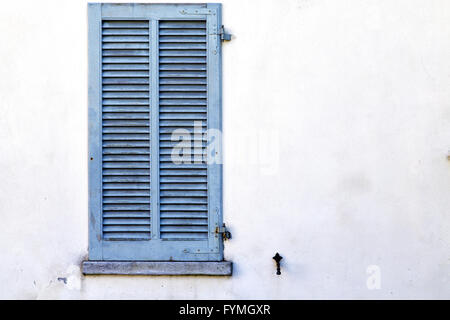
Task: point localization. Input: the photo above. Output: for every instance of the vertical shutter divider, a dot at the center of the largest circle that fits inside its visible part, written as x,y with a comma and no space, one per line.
154,126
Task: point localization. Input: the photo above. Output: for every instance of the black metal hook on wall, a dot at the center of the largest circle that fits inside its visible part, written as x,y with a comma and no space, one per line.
277,259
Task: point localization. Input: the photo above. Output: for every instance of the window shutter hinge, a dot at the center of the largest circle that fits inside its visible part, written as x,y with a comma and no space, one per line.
198,11
226,234
224,36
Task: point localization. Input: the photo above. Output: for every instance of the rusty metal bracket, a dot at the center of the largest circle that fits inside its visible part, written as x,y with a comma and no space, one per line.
224,232
277,259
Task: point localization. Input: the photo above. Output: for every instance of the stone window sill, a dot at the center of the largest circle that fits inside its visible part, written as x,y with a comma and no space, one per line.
158,268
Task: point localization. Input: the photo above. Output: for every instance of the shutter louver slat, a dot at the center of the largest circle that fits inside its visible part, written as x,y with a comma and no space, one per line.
125,127
182,100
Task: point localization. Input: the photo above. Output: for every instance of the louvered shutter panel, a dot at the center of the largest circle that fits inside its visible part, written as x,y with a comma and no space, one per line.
125,129
182,104
154,69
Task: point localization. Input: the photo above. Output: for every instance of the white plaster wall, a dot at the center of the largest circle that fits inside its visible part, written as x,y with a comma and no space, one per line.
353,98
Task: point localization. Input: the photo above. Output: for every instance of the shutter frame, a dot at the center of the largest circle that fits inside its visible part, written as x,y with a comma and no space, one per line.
94,132
215,175
154,249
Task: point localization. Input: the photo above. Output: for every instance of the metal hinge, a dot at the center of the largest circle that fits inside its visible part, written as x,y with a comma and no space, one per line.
198,11
224,36
205,11
226,235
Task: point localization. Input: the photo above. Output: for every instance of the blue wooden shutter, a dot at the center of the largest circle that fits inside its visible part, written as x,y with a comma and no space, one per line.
153,69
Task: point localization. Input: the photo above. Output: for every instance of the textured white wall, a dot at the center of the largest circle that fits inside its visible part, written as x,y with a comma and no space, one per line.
353,100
